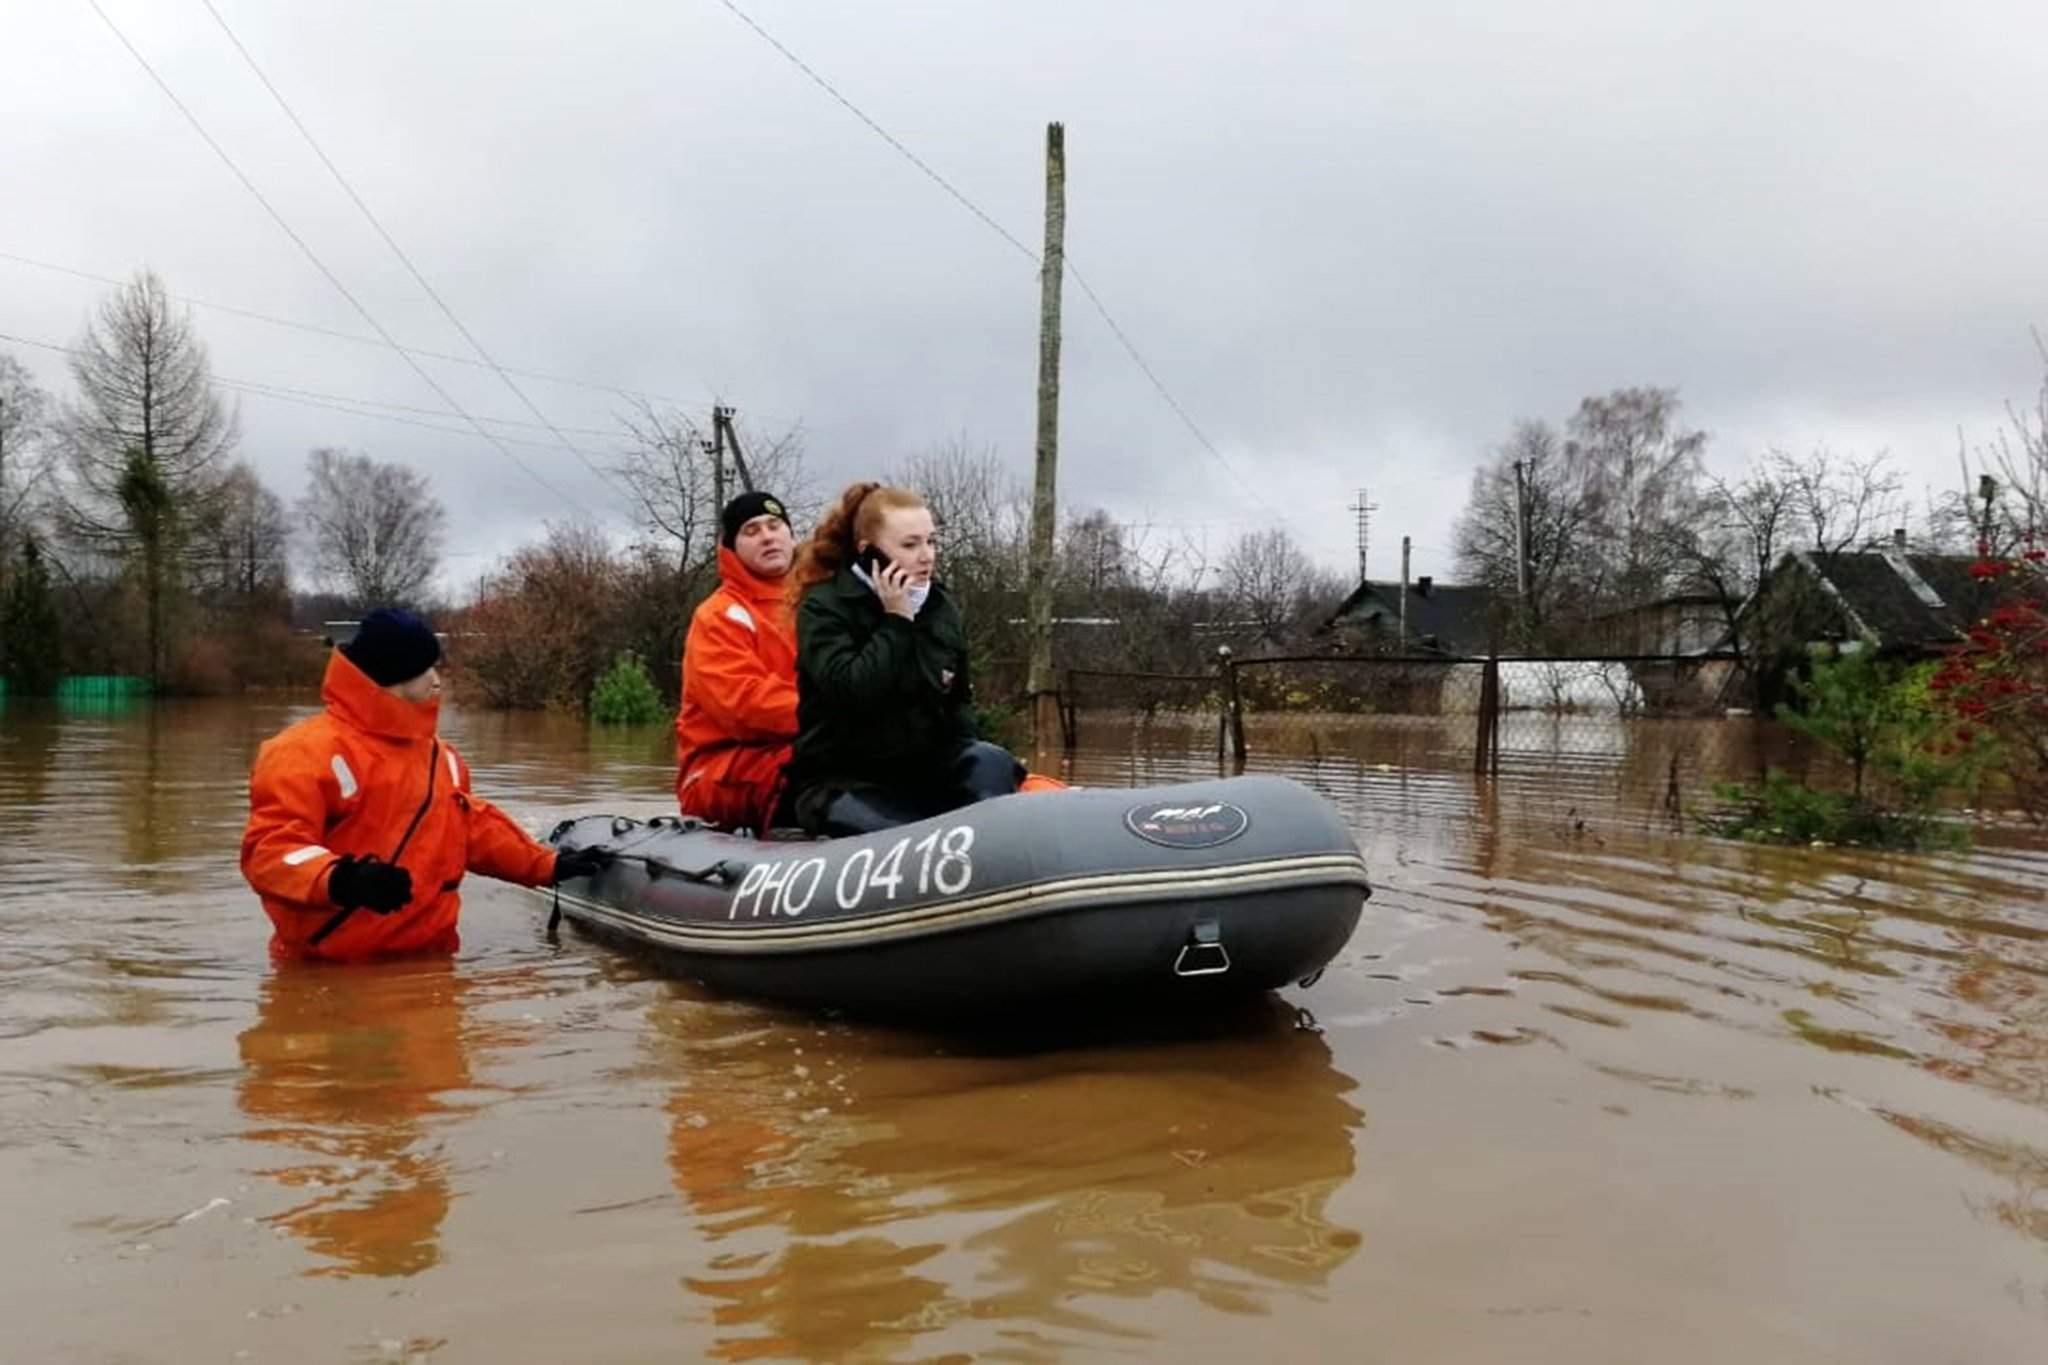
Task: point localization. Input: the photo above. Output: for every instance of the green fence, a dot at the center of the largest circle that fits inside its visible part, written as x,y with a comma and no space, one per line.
90,692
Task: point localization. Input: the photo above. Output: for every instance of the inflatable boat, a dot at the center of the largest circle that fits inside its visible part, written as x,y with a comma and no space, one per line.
1184,893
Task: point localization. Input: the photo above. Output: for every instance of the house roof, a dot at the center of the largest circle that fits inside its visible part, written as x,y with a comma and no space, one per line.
1903,600
1453,618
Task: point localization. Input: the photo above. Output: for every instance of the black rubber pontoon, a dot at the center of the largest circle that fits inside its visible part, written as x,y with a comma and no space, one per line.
1182,893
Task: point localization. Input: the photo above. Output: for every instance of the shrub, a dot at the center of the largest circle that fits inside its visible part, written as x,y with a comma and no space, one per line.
1885,721
626,694
1787,811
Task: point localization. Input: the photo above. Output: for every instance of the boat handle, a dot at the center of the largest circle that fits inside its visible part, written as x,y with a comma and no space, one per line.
1205,945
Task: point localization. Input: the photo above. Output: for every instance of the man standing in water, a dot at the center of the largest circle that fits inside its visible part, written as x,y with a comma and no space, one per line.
738,717
361,820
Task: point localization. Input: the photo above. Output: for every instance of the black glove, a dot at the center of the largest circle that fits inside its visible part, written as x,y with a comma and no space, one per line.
580,862
367,883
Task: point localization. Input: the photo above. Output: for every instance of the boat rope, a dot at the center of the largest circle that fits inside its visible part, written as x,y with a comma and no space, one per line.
724,870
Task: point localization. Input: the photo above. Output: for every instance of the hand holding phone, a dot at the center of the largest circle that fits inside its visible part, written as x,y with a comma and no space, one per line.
892,582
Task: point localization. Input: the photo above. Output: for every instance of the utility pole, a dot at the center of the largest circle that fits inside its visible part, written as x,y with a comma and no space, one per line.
1364,507
715,448
725,439
729,439
1522,545
1044,506
1403,644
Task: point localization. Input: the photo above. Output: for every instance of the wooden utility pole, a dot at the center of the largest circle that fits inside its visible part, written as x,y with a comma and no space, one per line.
729,439
1404,595
715,448
1522,546
1044,504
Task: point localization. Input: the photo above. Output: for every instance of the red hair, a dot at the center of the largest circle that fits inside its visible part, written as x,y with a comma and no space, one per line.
853,520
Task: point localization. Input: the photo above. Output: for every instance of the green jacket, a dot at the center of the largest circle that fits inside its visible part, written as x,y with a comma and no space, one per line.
880,700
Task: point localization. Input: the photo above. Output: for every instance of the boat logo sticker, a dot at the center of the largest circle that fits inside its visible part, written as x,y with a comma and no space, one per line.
1197,824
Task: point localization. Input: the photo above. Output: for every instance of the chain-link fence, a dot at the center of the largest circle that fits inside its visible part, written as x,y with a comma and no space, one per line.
1653,733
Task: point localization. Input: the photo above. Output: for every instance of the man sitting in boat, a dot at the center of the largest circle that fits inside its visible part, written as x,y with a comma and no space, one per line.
739,711
885,711
361,820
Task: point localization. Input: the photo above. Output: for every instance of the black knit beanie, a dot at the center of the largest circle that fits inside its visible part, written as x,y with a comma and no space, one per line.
744,509
393,646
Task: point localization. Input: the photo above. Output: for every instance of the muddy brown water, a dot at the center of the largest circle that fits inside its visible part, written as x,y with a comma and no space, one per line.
1585,1087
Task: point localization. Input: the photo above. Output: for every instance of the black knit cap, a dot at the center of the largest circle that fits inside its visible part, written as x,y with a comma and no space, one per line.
392,646
744,509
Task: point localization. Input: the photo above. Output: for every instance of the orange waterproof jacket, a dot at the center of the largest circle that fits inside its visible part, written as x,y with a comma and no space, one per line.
738,717
369,776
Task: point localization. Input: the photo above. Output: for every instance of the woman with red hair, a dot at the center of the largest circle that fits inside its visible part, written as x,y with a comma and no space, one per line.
885,709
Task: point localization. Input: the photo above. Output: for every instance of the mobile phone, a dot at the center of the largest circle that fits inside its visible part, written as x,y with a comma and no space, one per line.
873,560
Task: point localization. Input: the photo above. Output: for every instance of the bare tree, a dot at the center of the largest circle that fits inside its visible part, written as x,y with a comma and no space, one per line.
239,546
1836,502
1728,549
374,529
1263,575
142,440
1549,497
982,515
980,510
1093,558
1641,471
1587,520
675,488
2013,470
24,415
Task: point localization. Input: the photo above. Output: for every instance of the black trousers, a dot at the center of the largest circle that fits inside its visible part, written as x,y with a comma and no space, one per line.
979,772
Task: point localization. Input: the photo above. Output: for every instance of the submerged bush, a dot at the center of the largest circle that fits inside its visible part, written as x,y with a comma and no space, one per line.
626,694
1787,811
1903,754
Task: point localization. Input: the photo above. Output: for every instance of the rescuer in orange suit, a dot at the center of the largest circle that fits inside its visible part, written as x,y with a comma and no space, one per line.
361,820
738,717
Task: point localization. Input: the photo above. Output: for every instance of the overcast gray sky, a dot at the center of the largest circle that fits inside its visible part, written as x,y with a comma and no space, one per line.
1355,240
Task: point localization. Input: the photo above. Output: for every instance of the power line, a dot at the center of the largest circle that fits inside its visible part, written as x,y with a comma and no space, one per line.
1131,349
286,390
1123,338
619,390
399,251
912,157
311,398
303,399
319,264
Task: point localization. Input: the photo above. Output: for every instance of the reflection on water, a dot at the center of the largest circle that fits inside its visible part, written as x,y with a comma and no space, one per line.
847,1185
348,1071
1629,1091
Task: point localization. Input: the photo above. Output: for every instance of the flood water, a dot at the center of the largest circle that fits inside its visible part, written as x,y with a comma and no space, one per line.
1585,1087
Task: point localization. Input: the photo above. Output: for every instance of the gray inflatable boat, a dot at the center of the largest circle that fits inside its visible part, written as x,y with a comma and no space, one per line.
1175,894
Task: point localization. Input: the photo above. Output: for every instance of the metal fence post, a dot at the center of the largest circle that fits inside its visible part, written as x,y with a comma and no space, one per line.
1233,706
1486,738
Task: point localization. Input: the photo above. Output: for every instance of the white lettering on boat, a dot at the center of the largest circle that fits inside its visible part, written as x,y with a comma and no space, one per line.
815,869
785,887
864,859
938,862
